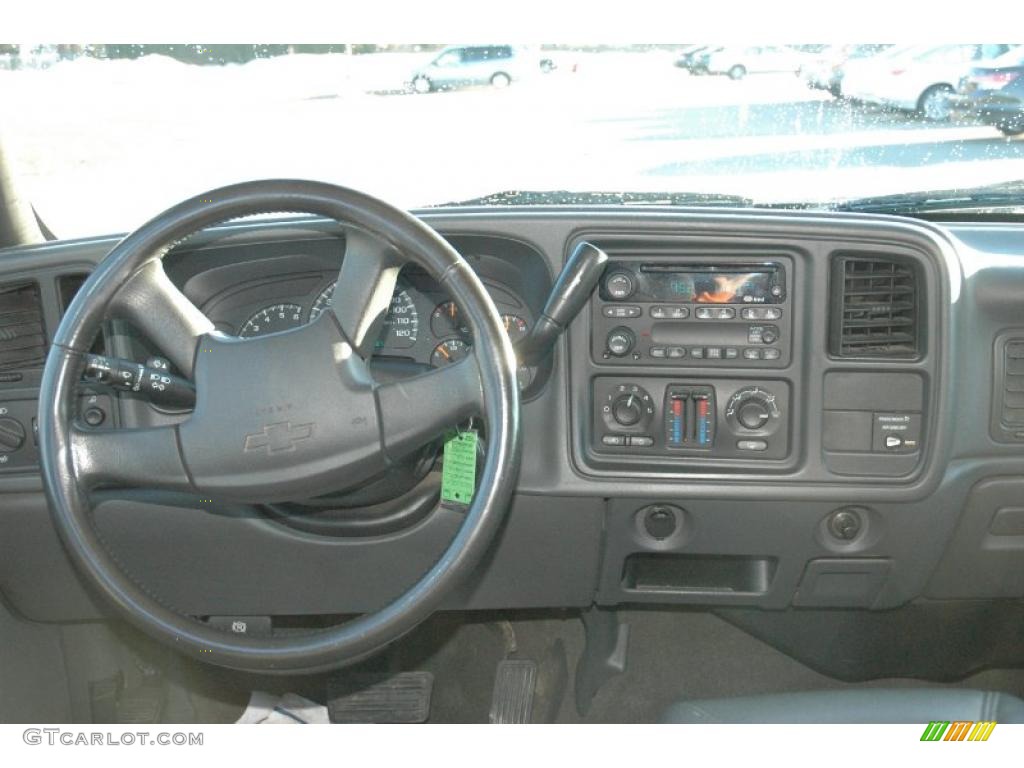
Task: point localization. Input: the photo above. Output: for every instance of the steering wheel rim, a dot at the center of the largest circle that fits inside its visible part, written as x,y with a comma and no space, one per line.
130,282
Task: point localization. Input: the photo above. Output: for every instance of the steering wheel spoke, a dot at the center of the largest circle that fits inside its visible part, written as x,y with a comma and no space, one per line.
153,303
128,458
364,288
415,411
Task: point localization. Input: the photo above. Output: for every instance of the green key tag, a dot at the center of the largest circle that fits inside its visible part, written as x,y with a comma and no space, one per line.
458,476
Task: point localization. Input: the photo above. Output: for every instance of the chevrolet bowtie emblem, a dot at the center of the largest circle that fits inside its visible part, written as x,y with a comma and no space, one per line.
277,437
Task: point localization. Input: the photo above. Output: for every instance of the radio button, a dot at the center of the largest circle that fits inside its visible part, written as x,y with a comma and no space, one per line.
624,310
676,352
760,313
619,285
671,312
713,353
614,440
731,353
657,351
751,353
620,341
715,313
697,353
771,354
640,441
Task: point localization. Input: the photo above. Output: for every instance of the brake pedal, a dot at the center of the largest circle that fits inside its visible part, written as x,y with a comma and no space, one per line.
379,698
514,687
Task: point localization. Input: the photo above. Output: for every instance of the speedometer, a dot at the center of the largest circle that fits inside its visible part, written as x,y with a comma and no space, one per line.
401,324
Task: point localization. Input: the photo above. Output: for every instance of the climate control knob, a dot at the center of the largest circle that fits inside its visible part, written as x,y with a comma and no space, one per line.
628,410
12,435
620,341
627,407
752,409
753,414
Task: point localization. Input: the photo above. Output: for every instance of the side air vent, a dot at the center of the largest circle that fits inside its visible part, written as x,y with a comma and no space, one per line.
1008,392
875,308
22,337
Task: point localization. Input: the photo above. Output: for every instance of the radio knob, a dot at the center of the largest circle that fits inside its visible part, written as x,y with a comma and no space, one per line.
752,414
628,410
619,285
620,341
769,336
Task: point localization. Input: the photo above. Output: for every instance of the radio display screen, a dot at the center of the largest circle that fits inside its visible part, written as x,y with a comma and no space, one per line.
711,286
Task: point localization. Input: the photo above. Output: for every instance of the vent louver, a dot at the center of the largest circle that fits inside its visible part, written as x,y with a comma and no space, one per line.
22,337
1009,394
875,308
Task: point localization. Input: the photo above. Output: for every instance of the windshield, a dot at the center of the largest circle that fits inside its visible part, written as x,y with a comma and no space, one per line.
102,137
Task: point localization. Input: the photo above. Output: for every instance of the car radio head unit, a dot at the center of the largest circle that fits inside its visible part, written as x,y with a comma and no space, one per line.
693,311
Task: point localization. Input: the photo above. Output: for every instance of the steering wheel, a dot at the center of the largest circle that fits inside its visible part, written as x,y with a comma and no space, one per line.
259,433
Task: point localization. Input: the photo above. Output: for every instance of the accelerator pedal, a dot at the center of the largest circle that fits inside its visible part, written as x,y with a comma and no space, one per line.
514,687
380,698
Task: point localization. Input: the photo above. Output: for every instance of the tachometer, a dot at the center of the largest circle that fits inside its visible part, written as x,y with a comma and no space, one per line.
273,319
401,325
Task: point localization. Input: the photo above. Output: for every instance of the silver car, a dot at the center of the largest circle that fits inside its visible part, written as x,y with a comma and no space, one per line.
464,65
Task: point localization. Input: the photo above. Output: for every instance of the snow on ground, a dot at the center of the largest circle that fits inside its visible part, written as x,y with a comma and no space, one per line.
104,145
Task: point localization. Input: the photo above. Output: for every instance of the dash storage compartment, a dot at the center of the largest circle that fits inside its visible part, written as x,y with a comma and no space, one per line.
664,573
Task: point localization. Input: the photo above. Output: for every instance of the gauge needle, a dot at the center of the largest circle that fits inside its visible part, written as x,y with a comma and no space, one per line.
444,352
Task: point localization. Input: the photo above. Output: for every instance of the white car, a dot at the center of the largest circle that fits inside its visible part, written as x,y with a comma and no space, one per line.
917,78
467,65
739,62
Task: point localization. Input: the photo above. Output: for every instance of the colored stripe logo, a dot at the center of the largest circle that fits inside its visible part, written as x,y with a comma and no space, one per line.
961,730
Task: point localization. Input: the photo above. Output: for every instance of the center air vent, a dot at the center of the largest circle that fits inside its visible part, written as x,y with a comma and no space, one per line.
875,307
22,338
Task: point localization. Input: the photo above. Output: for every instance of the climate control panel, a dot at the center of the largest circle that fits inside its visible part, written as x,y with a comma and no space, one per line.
672,416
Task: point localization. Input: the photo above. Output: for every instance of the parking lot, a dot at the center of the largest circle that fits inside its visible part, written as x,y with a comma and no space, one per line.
103,145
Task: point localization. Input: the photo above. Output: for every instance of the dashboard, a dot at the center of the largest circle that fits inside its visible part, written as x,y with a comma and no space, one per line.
756,409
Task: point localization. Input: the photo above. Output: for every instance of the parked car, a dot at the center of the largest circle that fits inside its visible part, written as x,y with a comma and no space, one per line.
994,93
699,65
738,62
919,78
465,65
694,58
825,71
